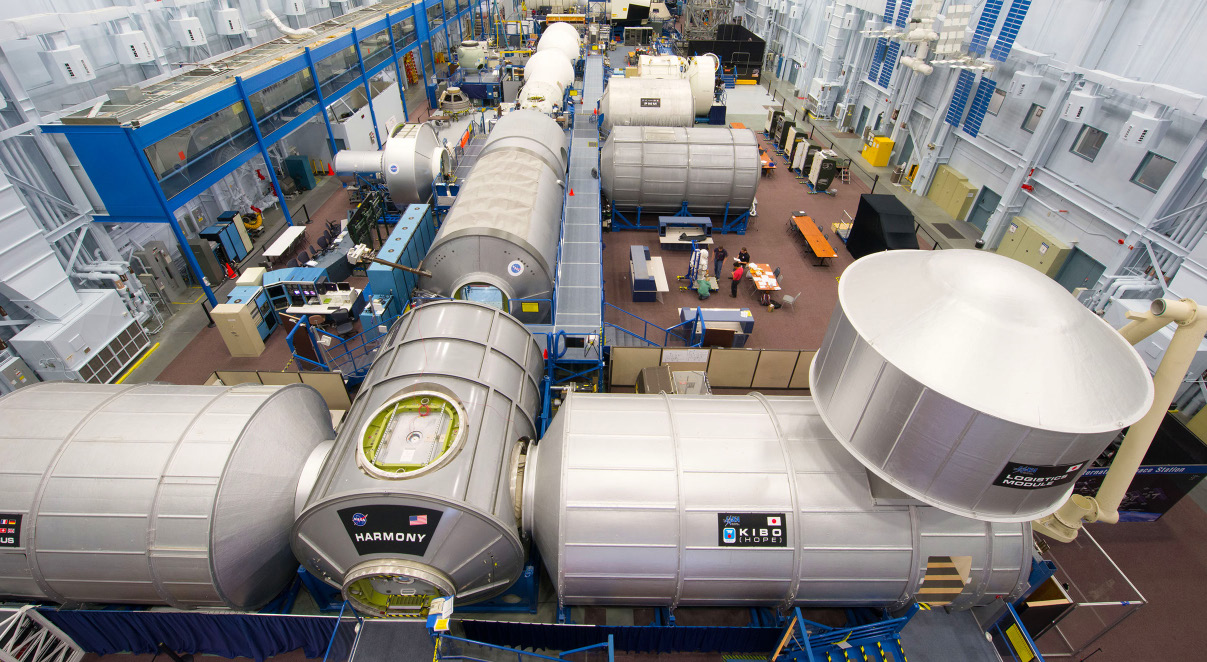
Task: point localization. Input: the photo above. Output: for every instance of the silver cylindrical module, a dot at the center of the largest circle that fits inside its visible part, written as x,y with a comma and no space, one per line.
561,37
738,500
647,102
972,381
415,500
499,240
154,494
660,168
409,163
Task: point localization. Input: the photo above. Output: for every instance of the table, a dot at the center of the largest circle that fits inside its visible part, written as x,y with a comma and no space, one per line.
767,163
764,281
814,239
284,242
658,271
327,304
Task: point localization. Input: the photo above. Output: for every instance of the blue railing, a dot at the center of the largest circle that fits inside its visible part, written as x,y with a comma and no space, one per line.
350,357
338,649
689,332
806,641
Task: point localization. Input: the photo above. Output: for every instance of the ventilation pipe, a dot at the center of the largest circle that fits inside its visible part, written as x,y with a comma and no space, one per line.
285,29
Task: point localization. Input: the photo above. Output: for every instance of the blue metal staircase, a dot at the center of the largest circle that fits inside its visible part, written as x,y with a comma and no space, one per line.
806,641
730,80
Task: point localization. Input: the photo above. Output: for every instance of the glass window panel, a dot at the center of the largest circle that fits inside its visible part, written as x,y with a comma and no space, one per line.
404,33
1033,117
277,104
1088,142
996,101
435,15
190,154
1152,171
375,48
338,70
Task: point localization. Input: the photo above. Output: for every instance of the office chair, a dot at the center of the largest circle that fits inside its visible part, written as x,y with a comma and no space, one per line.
342,322
324,243
303,257
791,301
293,262
331,234
776,273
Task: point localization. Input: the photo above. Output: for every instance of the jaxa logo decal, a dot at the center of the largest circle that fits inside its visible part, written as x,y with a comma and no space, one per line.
1026,470
360,519
732,520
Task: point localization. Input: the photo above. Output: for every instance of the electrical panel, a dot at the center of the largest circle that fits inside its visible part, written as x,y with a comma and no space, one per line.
69,64
188,31
1143,130
133,47
295,7
228,22
1024,85
1081,107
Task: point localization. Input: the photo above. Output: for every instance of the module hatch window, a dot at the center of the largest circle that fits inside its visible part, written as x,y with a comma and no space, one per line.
1088,143
1152,171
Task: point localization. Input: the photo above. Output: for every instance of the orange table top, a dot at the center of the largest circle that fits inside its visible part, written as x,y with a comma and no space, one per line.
737,125
764,277
812,234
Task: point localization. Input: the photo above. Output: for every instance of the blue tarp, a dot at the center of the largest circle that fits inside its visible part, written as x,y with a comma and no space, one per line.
628,638
257,636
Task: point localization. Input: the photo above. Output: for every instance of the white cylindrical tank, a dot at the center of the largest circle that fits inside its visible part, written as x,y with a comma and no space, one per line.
669,500
660,168
411,161
562,37
972,381
661,66
499,239
155,494
702,73
647,102
470,54
551,65
415,500
547,74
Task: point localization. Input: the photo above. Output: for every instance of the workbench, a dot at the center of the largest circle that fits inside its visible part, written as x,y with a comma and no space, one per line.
814,239
648,275
671,228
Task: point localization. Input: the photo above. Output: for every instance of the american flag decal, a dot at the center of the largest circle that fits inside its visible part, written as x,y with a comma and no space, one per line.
418,520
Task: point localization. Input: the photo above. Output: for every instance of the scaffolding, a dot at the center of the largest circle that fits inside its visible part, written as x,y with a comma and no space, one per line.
701,17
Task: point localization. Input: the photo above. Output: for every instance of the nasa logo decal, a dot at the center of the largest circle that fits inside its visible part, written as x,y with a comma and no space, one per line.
393,169
515,268
360,519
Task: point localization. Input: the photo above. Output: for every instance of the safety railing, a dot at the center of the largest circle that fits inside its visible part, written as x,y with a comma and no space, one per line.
350,357
689,332
807,641
345,634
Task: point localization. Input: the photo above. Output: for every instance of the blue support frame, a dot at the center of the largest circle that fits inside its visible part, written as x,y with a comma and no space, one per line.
145,200
402,93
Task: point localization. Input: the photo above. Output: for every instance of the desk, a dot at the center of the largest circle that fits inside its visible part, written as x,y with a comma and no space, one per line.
763,277
766,162
658,271
814,239
284,242
327,304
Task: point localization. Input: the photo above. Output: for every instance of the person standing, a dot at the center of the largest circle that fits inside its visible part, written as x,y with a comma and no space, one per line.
738,272
743,256
718,259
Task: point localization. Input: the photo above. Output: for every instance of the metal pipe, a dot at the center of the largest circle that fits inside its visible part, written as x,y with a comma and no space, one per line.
1066,522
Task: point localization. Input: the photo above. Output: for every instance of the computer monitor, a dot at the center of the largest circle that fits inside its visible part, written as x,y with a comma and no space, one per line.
344,287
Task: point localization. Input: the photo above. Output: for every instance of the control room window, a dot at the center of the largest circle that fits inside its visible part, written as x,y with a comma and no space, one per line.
1033,115
1152,171
1088,142
996,101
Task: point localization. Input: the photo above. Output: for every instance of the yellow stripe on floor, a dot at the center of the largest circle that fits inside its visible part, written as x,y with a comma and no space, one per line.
137,363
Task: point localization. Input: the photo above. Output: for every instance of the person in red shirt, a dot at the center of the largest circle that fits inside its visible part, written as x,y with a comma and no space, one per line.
738,272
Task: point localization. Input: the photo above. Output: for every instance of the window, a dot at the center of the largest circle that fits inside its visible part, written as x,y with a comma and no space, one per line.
1152,171
1033,115
995,103
1089,140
